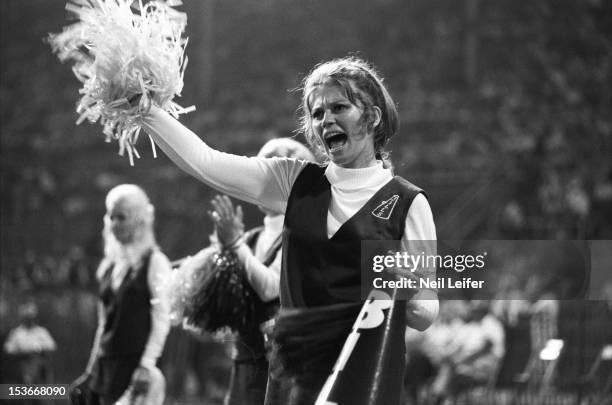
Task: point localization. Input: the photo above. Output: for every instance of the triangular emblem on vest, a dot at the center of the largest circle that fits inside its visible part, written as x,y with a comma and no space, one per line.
385,208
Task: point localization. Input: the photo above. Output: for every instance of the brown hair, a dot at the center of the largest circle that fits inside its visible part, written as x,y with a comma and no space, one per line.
361,83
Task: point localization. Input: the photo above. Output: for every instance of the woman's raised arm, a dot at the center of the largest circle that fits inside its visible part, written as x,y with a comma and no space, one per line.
262,181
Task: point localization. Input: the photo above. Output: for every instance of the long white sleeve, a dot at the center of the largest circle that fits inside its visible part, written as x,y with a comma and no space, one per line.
419,221
265,280
268,182
261,181
420,230
159,271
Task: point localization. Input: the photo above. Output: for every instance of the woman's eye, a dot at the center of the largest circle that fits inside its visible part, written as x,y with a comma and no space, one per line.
317,114
340,107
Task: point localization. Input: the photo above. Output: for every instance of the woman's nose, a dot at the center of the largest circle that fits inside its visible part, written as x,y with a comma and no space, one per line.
328,118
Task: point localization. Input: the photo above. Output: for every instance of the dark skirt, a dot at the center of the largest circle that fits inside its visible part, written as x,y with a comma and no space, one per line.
308,343
248,382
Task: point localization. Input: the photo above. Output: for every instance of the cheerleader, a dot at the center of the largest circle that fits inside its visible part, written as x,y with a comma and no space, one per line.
259,252
133,316
348,114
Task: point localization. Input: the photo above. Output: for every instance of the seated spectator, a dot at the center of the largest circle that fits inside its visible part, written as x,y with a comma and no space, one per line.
543,323
474,354
31,345
424,349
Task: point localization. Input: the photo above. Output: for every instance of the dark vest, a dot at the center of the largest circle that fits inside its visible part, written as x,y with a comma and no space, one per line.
128,312
317,270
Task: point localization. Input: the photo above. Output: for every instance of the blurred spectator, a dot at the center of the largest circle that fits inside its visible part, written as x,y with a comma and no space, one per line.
513,221
543,310
510,303
606,293
30,344
75,267
45,271
543,321
425,349
474,354
30,270
20,279
511,307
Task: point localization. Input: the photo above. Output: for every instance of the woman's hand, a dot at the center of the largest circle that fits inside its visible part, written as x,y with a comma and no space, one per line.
141,379
228,222
81,382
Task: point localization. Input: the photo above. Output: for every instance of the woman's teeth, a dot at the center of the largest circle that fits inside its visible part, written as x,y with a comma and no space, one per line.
336,142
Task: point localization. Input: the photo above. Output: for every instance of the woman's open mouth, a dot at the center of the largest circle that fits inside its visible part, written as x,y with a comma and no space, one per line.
335,141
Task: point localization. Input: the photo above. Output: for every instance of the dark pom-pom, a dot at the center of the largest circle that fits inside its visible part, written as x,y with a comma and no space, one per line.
224,298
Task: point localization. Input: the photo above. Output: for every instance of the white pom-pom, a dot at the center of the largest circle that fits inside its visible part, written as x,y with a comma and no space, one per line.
120,52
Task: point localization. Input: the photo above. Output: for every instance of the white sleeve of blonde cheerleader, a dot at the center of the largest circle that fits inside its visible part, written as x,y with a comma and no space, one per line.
97,337
419,239
261,181
159,271
265,280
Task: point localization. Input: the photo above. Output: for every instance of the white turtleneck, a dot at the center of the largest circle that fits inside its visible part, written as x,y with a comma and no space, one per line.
352,188
267,182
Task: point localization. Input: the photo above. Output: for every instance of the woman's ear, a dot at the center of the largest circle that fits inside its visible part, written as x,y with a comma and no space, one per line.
377,116
149,214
